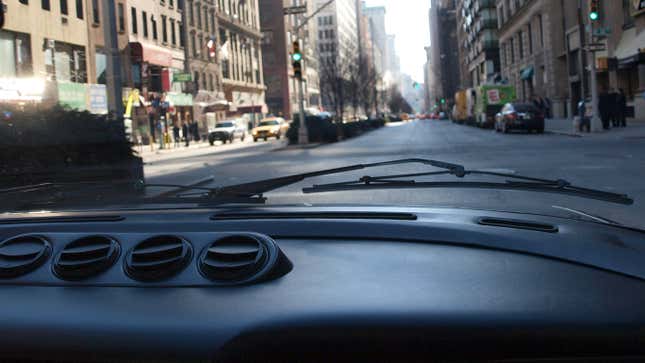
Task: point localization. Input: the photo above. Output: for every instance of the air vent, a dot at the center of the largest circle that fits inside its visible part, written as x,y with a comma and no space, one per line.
20,255
518,224
242,258
86,257
158,258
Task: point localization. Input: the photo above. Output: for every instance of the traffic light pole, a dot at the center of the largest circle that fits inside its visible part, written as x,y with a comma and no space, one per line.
595,119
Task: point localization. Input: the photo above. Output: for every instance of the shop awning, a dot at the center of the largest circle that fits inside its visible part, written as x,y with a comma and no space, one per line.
527,73
152,54
630,47
179,99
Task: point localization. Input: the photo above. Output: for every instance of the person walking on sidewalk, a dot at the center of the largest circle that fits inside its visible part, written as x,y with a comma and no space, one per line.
621,103
184,132
613,107
175,134
604,107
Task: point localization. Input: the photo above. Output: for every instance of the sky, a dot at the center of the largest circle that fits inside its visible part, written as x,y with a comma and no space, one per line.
408,20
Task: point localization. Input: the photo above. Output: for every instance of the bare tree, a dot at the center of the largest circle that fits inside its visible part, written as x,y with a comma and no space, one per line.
396,102
335,81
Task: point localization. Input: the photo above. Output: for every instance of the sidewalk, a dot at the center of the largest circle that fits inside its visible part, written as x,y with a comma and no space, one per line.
634,129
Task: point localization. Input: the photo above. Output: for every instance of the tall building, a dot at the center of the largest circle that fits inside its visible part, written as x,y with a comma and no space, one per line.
393,65
338,45
240,57
543,51
209,103
282,94
443,60
531,38
376,25
480,52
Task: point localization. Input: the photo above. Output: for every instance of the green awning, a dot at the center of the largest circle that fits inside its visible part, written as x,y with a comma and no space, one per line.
527,73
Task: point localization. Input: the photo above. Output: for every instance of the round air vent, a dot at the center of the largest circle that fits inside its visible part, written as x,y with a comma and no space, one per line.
20,255
158,258
238,259
85,257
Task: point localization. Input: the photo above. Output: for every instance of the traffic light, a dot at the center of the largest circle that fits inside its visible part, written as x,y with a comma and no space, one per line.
594,9
443,101
211,47
296,56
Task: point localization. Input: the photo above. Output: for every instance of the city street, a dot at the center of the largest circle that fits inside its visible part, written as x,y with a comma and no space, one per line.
612,161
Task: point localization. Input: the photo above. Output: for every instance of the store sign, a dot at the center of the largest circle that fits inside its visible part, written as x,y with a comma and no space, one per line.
98,99
493,96
72,95
22,89
179,99
182,77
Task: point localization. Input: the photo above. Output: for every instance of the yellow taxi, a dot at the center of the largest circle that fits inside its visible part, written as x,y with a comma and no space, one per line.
270,127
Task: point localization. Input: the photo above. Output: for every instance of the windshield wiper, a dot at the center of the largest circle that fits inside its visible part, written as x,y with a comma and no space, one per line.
516,182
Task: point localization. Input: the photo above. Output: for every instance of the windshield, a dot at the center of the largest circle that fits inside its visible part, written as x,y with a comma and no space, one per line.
110,99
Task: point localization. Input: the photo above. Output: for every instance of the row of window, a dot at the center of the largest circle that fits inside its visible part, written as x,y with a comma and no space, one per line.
517,42
327,47
325,20
201,81
171,29
64,8
326,34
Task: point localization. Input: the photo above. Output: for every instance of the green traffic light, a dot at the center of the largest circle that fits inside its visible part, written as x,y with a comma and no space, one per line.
297,57
593,15
443,100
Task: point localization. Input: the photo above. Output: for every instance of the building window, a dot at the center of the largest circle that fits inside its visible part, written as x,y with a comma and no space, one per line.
63,7
191,14
153,23
628,20
520,45
144,23
173,35
206,19
171,3
181,34
204,81
79,9
201,52
121,17
196,78
194,41
512,50
45,5
133,17
212,22
198,14
15,53
25,2
530,35
95,12
164,29
541,31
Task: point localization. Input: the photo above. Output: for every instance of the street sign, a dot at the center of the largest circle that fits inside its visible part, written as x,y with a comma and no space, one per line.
595,47
182,77
300,9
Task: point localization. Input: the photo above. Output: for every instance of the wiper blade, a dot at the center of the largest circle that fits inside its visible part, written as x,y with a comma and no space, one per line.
516,182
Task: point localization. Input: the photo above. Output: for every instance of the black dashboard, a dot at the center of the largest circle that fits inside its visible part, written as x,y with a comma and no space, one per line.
319,284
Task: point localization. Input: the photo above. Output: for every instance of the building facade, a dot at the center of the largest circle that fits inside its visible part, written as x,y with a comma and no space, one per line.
282,94
479,41
443,53
531,38
376,24
240,58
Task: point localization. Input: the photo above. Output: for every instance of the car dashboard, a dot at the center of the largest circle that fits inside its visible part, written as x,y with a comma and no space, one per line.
319,284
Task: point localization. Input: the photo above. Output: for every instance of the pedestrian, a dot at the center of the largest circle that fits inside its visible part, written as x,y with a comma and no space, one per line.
613,107
604,107
621,102
152,124
175,134
547,103
195,129
184,132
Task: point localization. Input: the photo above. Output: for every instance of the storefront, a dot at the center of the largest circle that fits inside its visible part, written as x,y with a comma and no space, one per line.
247,104
627,71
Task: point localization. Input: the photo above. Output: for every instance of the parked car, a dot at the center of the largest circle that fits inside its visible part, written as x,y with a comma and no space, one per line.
270,127
442,116
227,131
523,116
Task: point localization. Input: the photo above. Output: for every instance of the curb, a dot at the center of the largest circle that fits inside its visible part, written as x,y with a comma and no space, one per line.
563,133
298,147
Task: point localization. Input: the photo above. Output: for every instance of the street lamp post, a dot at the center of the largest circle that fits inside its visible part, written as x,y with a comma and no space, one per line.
303,133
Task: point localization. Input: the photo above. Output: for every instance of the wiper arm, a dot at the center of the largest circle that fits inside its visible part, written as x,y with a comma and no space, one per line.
516,182
263,186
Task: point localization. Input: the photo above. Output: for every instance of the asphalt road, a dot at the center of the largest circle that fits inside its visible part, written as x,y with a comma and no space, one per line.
606,162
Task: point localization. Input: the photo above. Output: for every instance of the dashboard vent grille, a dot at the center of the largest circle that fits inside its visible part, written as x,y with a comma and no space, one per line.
158,257
20,255
519,224
234,259
85,257
312,215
